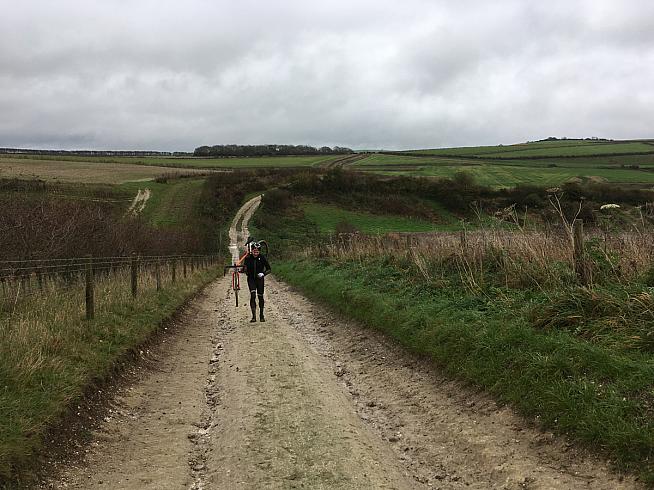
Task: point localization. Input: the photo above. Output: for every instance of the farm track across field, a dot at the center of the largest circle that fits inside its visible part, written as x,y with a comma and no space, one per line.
310,400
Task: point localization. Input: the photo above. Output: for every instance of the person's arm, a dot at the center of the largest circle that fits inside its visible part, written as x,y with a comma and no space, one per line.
266,266
242,259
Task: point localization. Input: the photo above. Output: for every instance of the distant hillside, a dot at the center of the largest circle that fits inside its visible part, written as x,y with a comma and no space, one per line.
548,148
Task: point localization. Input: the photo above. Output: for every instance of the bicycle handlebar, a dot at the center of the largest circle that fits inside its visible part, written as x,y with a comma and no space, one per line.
233,266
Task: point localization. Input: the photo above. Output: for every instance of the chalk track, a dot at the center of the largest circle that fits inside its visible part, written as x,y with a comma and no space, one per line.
310,400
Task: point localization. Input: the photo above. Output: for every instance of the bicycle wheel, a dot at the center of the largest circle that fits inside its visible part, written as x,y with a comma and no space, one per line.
236,285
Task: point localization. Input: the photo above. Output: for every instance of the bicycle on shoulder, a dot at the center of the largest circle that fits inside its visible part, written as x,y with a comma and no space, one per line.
237,268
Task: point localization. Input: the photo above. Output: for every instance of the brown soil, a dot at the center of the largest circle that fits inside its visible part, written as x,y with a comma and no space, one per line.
85,172
140,200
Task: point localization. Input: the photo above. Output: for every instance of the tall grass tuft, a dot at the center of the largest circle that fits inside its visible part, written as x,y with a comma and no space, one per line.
49,352
516,259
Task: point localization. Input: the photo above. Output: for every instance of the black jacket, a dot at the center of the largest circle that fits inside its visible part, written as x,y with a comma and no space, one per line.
255,266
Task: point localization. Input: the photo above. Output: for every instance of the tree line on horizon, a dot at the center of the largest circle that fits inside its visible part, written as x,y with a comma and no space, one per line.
267,150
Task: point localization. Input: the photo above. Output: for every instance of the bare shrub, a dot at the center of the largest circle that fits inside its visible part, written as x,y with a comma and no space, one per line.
45,228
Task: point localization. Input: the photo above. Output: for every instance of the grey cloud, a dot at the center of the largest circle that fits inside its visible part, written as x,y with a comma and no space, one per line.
172,76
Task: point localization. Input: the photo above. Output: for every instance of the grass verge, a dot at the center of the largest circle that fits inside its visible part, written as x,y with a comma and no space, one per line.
49,353
597,395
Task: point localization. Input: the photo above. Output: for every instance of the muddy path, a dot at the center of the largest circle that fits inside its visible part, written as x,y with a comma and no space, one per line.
310,400
345,161
140,200
238,230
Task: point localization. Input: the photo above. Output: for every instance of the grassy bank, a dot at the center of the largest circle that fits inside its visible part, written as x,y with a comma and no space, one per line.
173,204
49,353
328,218
597,390
509,173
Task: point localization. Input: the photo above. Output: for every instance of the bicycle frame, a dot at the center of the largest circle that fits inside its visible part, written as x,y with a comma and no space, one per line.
236,280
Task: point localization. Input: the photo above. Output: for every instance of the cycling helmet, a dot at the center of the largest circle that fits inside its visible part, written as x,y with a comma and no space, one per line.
252,244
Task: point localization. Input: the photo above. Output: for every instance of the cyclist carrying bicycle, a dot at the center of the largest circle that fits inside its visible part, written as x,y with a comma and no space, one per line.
256,268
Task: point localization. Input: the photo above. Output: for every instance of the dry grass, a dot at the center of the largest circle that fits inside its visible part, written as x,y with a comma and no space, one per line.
49,352
518,258
85,172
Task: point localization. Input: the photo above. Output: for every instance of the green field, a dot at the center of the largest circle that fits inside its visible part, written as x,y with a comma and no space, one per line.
507,176
481,150
543,163
538,172
580,150
326,217
557,148
171,204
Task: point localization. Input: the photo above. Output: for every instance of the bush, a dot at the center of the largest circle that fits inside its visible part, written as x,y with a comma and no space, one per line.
346,227
277,200
46,227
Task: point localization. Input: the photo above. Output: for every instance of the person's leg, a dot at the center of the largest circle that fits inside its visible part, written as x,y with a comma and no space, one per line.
260,285
252,286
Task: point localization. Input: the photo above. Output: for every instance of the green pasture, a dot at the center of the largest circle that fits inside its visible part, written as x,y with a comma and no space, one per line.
326,217
559,148
536,172
251,162
642,161
480,150
578,150
171,204
377,159
507,176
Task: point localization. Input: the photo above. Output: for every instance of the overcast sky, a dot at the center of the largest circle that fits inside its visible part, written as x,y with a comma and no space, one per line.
173,75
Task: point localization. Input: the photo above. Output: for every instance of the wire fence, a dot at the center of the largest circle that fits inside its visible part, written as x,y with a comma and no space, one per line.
24,279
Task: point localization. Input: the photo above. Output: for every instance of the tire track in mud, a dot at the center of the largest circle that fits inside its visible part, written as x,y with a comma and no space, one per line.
445,434
147,440
138,204
281,420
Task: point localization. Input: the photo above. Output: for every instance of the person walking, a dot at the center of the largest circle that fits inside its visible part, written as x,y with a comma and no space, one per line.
256,268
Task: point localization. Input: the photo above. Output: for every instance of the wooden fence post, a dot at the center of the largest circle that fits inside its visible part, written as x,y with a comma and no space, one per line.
39,275
174,270
463,237
90,310
184,265
157,274
579,255
134,276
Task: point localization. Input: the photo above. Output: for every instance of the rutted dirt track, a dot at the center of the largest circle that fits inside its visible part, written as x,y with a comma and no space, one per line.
308,400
